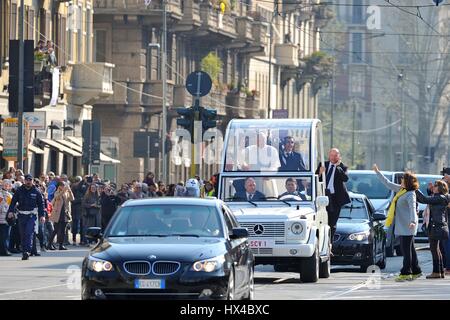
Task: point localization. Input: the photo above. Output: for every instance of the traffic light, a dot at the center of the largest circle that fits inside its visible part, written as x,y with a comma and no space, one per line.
208,117
187,120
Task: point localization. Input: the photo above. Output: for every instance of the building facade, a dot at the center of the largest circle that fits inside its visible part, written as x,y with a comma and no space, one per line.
129,34
68,25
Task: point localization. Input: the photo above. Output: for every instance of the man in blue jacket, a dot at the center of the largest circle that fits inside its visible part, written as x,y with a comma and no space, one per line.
30,205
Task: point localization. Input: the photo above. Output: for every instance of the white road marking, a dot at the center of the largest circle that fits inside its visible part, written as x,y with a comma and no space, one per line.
30,290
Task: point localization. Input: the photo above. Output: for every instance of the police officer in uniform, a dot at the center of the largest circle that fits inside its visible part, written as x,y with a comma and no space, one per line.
30,207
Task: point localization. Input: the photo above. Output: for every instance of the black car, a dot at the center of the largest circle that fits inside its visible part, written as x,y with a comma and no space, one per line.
360,238
186,248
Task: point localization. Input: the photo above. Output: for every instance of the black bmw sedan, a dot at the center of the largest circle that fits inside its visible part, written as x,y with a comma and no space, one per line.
360,238
185,248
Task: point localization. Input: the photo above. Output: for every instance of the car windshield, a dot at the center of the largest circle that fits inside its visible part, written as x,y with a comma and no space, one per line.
354,210
424,180
368,184
276,189
165,221
268,146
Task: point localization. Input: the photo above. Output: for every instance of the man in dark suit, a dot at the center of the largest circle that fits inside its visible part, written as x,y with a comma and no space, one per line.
336,176
250,193
291,189
289,159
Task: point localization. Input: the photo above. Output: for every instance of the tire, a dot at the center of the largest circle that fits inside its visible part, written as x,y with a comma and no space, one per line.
382,263
325,267
370,262
231,286
251,286
278,267
310,266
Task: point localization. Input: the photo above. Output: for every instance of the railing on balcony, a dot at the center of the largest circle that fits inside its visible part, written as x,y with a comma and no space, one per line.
136,7
209,17
152,93
286,54
88,82
191,13
244,29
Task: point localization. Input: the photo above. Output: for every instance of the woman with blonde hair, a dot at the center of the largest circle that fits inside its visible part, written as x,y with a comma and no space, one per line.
61,214
402,212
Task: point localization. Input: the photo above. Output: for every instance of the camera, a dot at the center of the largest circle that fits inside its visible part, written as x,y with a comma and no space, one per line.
445,171
89,180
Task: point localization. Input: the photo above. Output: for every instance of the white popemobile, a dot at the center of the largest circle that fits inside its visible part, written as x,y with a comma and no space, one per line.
268,180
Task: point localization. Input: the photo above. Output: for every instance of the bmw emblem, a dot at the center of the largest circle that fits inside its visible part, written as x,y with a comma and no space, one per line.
152,257
258,229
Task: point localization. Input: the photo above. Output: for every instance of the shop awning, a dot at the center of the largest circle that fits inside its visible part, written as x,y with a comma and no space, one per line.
60,147
31,148
76,144
35,149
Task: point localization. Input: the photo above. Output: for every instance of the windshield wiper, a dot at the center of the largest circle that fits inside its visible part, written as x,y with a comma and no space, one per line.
137,235
183,235
284,201
240,199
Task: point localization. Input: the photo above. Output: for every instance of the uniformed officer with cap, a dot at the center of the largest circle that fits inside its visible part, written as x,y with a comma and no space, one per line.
30,206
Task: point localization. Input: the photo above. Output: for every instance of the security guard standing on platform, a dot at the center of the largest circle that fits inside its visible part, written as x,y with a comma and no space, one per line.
30,206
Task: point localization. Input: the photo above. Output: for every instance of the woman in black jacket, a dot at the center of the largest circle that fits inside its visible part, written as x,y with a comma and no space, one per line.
438,224
109,203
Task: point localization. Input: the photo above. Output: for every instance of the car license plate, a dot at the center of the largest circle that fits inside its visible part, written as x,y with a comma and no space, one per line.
261,243
149,284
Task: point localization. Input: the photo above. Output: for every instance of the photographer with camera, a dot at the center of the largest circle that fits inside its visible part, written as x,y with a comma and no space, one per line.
109,203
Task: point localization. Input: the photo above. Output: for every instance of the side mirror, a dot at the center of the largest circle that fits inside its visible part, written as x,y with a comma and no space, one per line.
239,233
322,201
378,216
94,233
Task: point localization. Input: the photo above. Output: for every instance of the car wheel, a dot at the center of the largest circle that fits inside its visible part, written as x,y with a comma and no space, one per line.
325,267
310,266
251,286
371,261
278,267
382,263
230,291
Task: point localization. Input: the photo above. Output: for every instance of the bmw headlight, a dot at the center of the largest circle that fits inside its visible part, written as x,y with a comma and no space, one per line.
296,228
208,265
99,265
361,236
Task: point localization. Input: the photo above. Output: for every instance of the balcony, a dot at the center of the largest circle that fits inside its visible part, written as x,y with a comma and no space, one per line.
190,19
322,15
138,8
88,82
252,105
244,29
155,88
286,54
216,99
237,101
181,97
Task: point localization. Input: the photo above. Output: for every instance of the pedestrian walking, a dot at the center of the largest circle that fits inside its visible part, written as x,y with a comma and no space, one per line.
79,190
109,203
91,208
437,224
61,215
30,206
402,212
336,176
5,200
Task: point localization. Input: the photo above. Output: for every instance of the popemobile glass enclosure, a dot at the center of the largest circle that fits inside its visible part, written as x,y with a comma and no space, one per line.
269,181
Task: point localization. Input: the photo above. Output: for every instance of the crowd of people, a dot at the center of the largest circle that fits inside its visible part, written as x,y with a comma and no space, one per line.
51,209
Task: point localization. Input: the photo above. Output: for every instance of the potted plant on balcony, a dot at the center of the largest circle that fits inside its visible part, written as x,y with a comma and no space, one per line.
318,69
252,100
211,64
39,60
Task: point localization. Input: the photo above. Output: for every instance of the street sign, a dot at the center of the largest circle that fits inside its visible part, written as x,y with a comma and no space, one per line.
91,133
11,139
146,144
198,83
36,120
280,114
